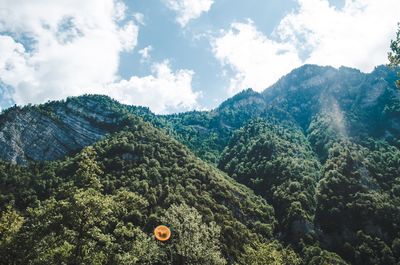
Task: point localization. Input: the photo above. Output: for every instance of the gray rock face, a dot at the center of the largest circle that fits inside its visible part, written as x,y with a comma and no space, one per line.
61,129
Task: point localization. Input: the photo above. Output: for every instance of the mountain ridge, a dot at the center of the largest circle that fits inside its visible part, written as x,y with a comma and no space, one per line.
302,93
306,172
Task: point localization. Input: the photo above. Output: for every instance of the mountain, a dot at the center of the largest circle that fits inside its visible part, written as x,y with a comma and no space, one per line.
360,105
275,159
61,128
368,103
56,129
142,164
306,172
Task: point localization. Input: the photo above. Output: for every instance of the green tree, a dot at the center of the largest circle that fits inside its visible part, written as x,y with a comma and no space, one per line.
274,159
10,225
314,255
371,250
193,241
88,172
394,54
268,253
71,230
135,247
89,227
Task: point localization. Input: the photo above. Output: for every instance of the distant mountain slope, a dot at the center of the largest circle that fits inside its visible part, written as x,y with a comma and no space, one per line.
208,132
357,104
366,104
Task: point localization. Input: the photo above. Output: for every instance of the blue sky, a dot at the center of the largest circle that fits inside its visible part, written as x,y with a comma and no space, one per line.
185,49
179,55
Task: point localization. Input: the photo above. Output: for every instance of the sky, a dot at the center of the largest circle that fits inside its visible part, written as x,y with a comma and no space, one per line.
180,55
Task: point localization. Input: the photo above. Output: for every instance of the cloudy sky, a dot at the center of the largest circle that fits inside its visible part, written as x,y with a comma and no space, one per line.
178,55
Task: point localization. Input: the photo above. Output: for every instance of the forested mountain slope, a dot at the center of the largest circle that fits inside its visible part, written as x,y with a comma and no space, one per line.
99,205
318,152
348,205
357,104
362,104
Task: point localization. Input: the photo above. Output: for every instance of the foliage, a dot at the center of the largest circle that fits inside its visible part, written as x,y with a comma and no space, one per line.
194,242
268,253
314,255
394,54
274,159
10,225
318,152
356,208
100,206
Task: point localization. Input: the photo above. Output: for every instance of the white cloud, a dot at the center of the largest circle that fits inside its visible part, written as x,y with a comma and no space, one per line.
357,35
14,63
61,48
53,49
139,17
145,53
164,91
188,9
256,60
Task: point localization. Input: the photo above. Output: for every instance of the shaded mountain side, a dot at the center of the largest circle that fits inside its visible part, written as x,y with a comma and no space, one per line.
56,129
274,158
348,205
357,104
358,203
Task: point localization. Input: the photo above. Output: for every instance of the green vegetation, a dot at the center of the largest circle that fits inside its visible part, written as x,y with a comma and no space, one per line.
194,242
275,160
308,172
394,54
271,253
101,206
356,206
208,133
